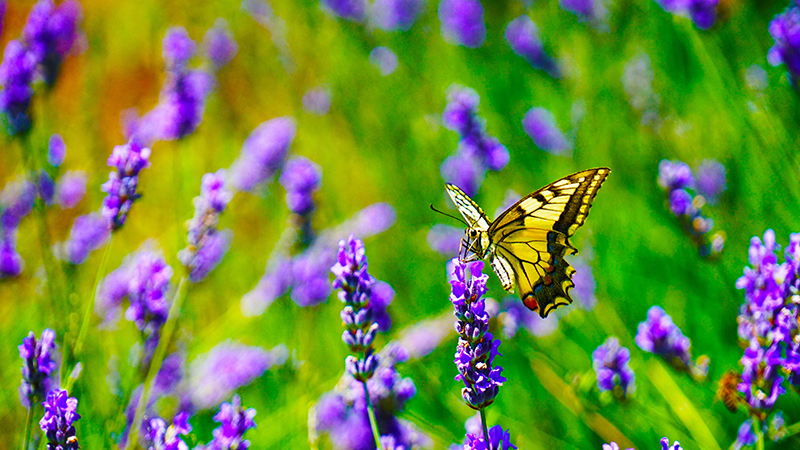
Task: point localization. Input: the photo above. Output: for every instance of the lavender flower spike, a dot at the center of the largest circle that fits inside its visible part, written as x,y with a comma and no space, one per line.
785,30
462,22
523,38
58,422
56,150
52,33
88,233
234,421
263,153
610,361
16,76
39,367
301,177
661,336
163,437
219,44
540,125
128,160
477,347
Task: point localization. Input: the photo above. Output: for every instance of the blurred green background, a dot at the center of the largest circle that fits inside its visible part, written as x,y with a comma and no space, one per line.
383,141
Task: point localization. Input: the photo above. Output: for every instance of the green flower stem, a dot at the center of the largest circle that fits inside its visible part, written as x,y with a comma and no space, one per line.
485,428
155,363
26,439
372,421
759,433
77,349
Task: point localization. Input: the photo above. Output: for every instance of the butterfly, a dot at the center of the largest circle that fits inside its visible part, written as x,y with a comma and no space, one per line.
526,244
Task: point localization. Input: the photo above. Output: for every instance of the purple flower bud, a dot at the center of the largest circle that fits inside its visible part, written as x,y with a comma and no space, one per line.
88,233
40,363
711,180
661,336
384,59
680,202
674,175
11,263
352,10
56,150
317,101
540,125
498,439
219,44
523,38
610,361
16,76
462,22
177,47
234,421
129,160
391,15
163,437
263,152
463,171
46,187
70,189
16,202
301,178
58,422
183,102
51,34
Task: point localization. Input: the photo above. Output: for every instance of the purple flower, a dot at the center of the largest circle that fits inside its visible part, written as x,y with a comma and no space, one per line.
183,102
16,76
51,33
301,178
702,12
711,180
177,47
612,446
587,10
422,338
46,188
56,150
745,436
680,202
310,279
70,189
317,101
207,245
499,439
515,314
128,160
585,284
353,10
16,202
665,445
785,30
610,361
263,152
461,113
477,347
40,363
462,22
11,262
540,125
219,44
213,376
356,292
234,421
147,292
163,437
445,239
464,171
659,335
60,414
391,15
384,59
523,38
88,233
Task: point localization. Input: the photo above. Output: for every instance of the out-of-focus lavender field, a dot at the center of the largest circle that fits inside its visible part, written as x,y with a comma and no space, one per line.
223,208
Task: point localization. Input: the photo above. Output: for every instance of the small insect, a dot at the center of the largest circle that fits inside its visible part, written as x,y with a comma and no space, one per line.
728,391
526,244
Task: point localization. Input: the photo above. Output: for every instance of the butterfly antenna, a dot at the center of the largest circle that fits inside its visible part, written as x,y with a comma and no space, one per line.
451,216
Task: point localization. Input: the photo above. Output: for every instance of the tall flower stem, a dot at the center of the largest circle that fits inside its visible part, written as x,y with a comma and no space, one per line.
26,439
155,363
759,445
87,315
372,421
485,428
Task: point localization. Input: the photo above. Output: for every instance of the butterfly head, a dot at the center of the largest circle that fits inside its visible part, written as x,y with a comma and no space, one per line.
474,245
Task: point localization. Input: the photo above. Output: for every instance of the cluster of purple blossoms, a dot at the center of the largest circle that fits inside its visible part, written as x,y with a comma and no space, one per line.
664,445
687,195
392,15
48,36
610,361
768,322
358,315
785,30
702,12
637,81
499,439
159,436
462,22
477,150
659,335
477,347
234,421
263,153
40,364
352,10
301,177
16,202
540,124
128,160
342,412
58,422
523,38
207,245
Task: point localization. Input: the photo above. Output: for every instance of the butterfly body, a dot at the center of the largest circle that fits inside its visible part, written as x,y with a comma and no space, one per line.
527,243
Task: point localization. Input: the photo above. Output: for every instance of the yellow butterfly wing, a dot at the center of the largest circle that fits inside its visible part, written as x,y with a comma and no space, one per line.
472,213
531,239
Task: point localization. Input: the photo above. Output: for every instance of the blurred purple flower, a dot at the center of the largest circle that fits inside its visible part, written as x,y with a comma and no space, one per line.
219,44
46,188
612,446
499,439
540,125
16,76
461,112
384,59
51,34
310,280
464,171
352,10
56,150
680,202
593,11
462,22
702,12
659,335
58,422
392,15
785,30
674,175
610,361
523,38
183,102
711,180
70,189
40,364
515,314
585,284
11,263
234,421
16,202
88,233
477,347
159,436
263,153
317,101
422,338
128,160
445,239
665,445
301,178
745,436
213,376
177,47
147,292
